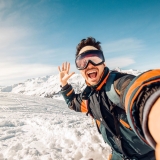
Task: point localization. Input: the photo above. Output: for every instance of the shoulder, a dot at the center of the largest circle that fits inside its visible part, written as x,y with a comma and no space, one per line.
122,79
121,75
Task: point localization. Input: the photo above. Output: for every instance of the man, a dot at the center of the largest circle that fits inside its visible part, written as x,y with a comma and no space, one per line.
124,107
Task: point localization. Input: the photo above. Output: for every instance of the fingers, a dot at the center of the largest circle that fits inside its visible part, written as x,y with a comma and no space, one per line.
62,66
65,67
68,67
59,68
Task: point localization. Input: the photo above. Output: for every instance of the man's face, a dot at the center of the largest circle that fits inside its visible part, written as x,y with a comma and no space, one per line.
92,74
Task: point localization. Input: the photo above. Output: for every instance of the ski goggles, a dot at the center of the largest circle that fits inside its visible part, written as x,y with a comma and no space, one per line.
95,57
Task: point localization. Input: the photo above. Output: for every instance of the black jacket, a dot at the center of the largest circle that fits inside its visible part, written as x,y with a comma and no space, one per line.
111,120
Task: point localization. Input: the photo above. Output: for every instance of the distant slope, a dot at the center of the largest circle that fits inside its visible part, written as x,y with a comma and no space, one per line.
49,86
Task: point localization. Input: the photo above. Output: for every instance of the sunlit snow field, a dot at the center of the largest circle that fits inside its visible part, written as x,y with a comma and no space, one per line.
35,128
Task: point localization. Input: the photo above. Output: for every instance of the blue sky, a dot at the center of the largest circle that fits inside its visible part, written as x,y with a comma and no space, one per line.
37,36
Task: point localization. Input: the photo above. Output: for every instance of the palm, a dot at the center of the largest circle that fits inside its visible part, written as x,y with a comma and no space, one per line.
64,73
64,76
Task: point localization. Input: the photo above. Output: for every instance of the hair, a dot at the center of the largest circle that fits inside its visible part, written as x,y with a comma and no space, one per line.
90,41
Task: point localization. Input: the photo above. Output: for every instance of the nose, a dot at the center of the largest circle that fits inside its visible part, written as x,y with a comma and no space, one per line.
90,65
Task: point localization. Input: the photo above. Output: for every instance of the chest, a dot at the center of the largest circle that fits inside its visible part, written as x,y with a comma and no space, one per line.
101,109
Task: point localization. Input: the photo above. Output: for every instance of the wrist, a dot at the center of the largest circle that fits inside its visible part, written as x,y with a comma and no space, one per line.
65,87
64,84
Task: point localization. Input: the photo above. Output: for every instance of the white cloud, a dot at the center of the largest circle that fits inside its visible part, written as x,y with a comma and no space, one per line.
123,45
12,73
9,36
119,62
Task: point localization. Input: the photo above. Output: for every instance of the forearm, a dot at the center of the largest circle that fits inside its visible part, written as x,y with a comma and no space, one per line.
148,100
67,93
73,100
138,95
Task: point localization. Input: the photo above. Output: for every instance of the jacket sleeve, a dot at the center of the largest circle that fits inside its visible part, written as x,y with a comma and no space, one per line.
138,98
74,101
121,83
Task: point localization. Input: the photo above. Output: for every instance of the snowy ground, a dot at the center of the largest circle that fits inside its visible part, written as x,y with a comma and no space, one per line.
34,128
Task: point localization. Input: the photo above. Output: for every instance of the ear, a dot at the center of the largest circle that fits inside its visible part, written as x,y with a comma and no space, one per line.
104,64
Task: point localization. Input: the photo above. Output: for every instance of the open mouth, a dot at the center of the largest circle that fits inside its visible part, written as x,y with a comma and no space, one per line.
92,74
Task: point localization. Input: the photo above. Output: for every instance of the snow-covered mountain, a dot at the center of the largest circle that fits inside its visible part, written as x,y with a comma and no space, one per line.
49,86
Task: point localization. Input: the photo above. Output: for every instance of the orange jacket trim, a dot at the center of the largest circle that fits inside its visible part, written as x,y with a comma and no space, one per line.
83,106
139,82
125,124
98,123
117,91
137,92
110,157
69,93
103,82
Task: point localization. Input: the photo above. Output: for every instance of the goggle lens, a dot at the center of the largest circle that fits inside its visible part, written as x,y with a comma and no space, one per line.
93,56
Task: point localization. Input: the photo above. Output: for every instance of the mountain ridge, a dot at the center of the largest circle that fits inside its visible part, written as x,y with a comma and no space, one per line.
49,86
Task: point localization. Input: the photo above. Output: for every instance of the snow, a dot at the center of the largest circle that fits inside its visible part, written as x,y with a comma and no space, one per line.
36,128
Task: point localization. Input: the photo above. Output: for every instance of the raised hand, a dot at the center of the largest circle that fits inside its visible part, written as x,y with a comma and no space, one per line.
64,73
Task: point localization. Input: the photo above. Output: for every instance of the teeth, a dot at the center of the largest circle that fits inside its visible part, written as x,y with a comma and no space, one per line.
91,72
